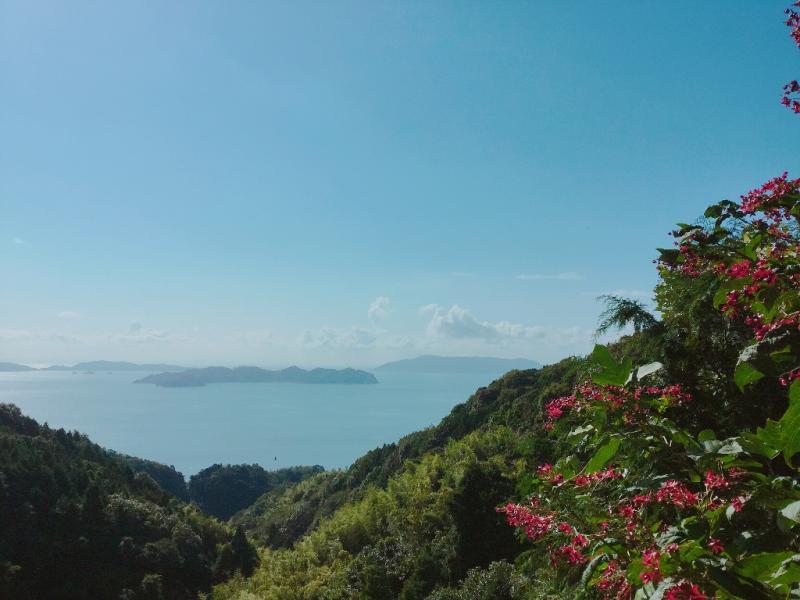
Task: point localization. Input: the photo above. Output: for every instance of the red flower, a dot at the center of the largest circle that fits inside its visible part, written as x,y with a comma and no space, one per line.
651,560
675,492
738,503
715,481
568,554
580,541
685,591
534,525
715,546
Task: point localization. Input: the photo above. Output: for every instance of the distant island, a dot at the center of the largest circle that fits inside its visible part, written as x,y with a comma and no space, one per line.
7,367
457,364
88,368
200,377
110,365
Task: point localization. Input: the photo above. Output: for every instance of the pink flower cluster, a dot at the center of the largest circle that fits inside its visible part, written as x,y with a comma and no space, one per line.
759,271
545,472
769,273
570,554
613,397
651,560
537,525
534,525
793,87
685,591
603,475
789,90
613,583
676,493
775,189
793,22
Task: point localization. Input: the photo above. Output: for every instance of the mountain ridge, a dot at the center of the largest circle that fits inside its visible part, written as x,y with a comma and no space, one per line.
431,363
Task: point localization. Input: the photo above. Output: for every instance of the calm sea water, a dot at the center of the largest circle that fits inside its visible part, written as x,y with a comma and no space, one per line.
272,424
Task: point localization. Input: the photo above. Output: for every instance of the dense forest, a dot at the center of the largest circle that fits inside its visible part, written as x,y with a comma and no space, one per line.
76,521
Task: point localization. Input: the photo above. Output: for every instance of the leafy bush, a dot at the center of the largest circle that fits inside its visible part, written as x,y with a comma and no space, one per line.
643,505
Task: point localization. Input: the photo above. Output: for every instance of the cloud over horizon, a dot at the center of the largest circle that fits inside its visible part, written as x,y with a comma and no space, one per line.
378,308
458,323
141,335
334,337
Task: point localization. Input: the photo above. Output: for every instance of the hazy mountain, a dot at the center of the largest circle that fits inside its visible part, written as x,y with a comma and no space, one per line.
6,367
198,377
110,365
458,364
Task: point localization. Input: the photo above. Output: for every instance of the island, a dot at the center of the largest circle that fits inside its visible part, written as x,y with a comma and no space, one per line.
7,367
110,365
458,364
200,377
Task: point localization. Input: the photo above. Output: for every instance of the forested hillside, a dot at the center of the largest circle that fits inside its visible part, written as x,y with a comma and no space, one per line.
77,522
223,490
662,466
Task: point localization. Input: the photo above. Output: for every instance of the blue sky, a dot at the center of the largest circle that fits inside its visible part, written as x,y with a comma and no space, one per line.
344,183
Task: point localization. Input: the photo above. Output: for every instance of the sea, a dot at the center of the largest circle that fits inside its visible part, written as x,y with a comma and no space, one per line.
272,424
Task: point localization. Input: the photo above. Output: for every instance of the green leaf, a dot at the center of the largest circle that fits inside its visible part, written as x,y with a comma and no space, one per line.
738,587
792,511
752,444
691,551
761,567
786,575
745,374
668,255
790,424
706,434
610,371
771,434
783,359
604,454
635,568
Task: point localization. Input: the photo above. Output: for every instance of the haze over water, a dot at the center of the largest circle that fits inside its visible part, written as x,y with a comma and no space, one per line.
193,428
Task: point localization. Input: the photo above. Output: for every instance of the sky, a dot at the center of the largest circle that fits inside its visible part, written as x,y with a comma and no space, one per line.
347,183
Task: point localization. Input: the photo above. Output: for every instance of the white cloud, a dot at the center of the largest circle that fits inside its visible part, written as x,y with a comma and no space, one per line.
459,324
68,314
565,276
332,337
18,241
428,309
256,337
379,308
142,335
